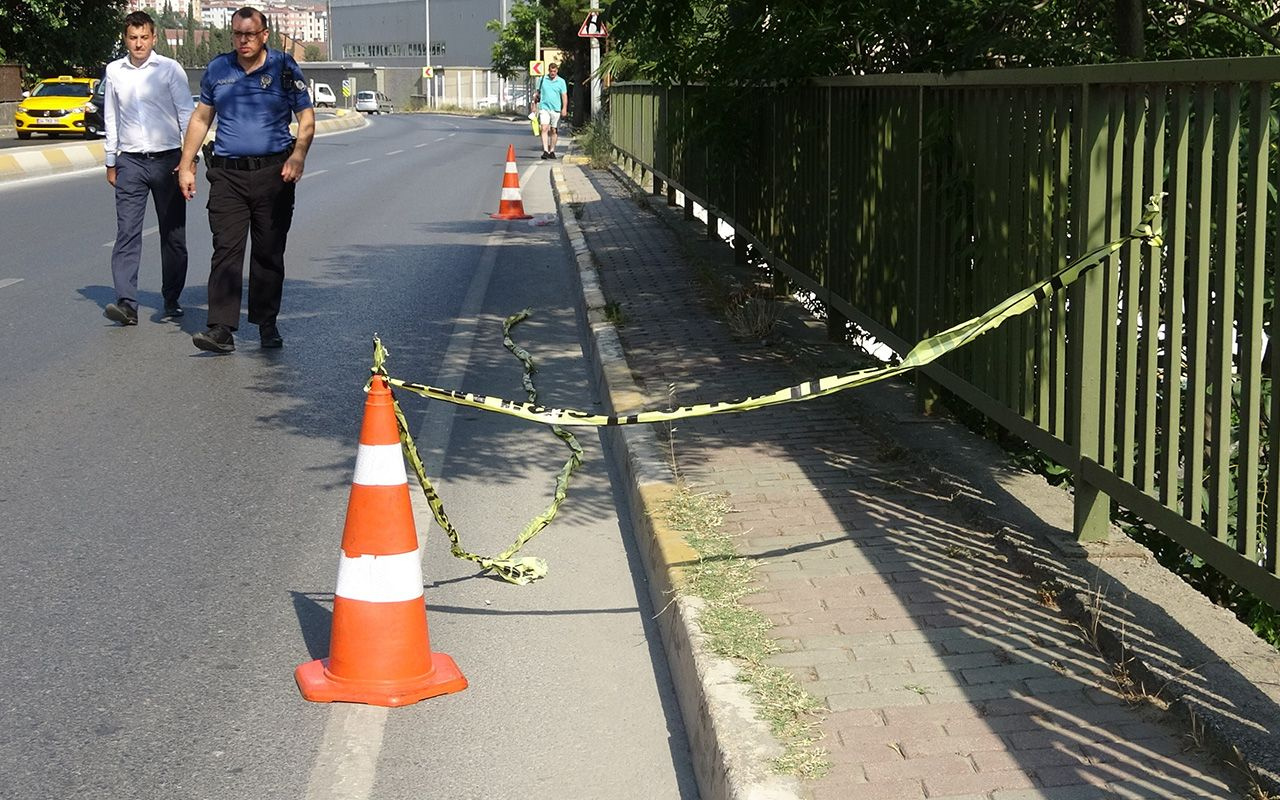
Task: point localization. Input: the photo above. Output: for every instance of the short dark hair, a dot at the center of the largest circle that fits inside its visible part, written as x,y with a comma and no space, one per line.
249,12
139,19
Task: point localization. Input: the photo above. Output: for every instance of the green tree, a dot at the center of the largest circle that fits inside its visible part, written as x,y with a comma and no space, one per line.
560,19
312,52
747,41
56,37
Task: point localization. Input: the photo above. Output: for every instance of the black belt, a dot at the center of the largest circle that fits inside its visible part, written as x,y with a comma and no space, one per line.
159,154
248,162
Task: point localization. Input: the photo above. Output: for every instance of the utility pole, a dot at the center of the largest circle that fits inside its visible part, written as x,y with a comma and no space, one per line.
431,92
595,77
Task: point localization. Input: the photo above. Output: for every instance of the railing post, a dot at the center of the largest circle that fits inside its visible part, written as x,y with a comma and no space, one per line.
1092,511
741,250
713,225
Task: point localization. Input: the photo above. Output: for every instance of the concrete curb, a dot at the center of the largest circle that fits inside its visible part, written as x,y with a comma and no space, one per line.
731,748
74,156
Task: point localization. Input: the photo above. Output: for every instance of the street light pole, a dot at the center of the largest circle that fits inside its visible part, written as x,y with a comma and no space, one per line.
431,92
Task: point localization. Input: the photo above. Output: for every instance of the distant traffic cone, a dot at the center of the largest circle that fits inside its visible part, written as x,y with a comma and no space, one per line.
380,652
511,206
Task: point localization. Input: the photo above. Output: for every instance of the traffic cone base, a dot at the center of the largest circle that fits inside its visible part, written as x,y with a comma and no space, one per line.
511,206
319,685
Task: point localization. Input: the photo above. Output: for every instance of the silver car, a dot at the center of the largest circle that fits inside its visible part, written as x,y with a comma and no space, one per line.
373,103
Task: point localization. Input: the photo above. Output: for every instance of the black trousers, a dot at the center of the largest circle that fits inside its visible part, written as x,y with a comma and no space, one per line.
257,204
136,177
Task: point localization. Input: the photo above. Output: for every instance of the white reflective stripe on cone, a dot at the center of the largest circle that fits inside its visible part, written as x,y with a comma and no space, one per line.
379,465
510,194
380,579
511,167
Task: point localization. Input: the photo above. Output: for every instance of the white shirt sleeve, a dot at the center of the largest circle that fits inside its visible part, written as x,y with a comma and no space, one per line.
181,97
109,121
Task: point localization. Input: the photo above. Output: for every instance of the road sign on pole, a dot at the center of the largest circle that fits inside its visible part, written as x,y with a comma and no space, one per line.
428,72
537,69
592,26
346,87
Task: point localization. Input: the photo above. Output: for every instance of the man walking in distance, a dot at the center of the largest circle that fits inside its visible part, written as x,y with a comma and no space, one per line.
253,170
146,108
552,98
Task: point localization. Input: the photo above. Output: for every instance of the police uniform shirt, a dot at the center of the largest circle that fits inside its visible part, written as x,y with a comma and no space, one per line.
254,109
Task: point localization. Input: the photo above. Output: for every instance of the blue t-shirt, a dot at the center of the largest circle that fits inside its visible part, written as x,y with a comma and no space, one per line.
253,109
551,93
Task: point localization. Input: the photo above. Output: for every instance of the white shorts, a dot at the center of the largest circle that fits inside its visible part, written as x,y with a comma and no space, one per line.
546,118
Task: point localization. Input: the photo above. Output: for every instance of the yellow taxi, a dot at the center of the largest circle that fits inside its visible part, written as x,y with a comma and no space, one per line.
54,106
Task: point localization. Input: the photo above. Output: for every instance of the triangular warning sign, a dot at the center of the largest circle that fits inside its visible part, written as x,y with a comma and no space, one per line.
592,27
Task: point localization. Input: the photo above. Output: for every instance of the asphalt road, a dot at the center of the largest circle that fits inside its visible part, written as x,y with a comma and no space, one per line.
171,519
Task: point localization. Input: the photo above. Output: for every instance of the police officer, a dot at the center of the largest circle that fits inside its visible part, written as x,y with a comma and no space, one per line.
253,170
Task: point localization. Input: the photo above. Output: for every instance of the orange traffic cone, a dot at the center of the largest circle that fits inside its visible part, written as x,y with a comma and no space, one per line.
511,206
380,653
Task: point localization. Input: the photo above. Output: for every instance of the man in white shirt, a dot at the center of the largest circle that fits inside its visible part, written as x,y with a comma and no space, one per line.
146,107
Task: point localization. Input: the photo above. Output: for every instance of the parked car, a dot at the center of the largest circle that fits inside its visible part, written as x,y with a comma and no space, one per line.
322,96
93,111
373,103
55,106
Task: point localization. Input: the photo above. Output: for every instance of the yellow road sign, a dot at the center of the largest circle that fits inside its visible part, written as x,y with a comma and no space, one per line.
428,72
537,69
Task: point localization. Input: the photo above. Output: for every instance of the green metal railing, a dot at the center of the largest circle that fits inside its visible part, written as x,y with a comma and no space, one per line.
907,203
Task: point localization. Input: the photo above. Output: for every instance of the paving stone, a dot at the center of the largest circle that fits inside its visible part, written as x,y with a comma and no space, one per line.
939,785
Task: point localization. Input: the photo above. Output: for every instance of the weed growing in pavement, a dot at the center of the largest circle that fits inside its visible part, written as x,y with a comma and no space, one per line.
596,143
613,314
752,312
722,578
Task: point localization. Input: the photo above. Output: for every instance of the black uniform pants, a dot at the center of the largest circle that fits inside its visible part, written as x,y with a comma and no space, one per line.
257,204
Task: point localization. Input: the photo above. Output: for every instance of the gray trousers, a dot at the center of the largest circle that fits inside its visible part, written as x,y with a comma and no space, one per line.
136,177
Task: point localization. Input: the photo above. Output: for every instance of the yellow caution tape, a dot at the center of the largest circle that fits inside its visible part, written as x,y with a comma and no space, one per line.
521,570
923,353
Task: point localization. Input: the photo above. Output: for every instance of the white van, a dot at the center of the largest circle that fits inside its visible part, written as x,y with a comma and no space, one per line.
322,95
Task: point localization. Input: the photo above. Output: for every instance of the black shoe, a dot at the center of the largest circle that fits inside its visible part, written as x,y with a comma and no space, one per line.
171,311
551,154
119,312
217,339
545,155
269,336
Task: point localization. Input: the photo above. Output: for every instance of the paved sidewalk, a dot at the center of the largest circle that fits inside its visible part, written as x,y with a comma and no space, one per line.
906,597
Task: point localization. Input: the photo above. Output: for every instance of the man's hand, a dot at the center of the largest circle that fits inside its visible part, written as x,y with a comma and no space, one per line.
291,172
111,175
187,179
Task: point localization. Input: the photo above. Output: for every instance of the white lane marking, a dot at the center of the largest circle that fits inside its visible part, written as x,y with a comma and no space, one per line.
454,133
145,234
424,144
345,766
395,152
346,763
9,282
306,175
358,161
441,139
